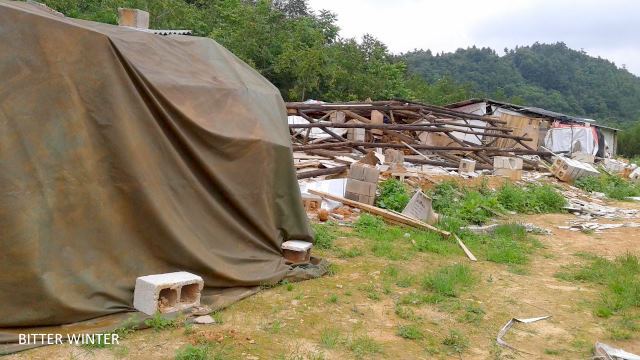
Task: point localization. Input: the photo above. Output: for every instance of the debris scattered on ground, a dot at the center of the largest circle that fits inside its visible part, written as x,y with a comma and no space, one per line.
488,229
606,352
204,320
500,339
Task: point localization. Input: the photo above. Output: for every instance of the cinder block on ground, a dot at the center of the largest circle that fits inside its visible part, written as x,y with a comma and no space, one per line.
361,187
167,293
362,172
297,251
355,134
569,170
467,166
133,17
512,174
506,162
583,157
365,199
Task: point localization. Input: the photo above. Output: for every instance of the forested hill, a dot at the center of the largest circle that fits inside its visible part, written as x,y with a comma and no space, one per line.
551,76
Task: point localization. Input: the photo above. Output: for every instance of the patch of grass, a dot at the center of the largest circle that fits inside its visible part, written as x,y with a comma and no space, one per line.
613,186
414,298
393,195
159,322
274,327
553,352
620,278
363,345
330,338
333,299
405,313
349,253
193,352
325,234
450,280
217,317
456,341
410,332
531,199
472,314
405,281
510,244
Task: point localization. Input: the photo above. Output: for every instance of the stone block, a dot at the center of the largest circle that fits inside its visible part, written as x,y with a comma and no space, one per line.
505,162
362,172
311,202
167,293
512,174
583,157
467,166
569,170
365,199
297,251
360,187
133,18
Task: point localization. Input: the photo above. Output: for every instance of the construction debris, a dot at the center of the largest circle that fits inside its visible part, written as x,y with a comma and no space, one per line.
508,325
606,352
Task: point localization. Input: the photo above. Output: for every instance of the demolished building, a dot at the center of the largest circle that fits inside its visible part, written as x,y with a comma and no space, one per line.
560,133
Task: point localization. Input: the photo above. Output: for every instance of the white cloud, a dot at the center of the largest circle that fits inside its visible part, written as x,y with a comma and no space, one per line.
608,29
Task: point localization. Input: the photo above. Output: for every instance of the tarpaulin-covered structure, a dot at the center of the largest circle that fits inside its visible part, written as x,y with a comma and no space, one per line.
124,153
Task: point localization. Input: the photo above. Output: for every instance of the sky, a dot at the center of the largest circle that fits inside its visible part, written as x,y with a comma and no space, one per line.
605,28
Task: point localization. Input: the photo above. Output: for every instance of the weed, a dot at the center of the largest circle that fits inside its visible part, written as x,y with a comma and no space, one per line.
217,317
325,234
410,332
551,352
348,253
159,323
531,199
193,352
364,345
449,280
456,341
405,281
329,338
414,298
274,327
393,195
405,313
472,314
333,299
391,271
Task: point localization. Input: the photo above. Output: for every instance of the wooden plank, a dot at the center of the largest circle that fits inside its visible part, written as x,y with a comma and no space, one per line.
382,212
465,249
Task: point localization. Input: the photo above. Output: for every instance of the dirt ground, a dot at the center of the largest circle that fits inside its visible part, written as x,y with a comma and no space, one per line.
288,322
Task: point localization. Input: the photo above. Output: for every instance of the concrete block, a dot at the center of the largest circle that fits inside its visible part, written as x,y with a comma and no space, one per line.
583,157
297,251
360,187
166,293
356,134
569,170
467,166
362,172
133,17
419,208
377,118
614,166
505,162
338,117
365,199
512,174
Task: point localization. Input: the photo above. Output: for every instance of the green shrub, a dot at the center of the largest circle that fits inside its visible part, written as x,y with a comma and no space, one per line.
612,186
531,199
410,332
159,322
393,195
